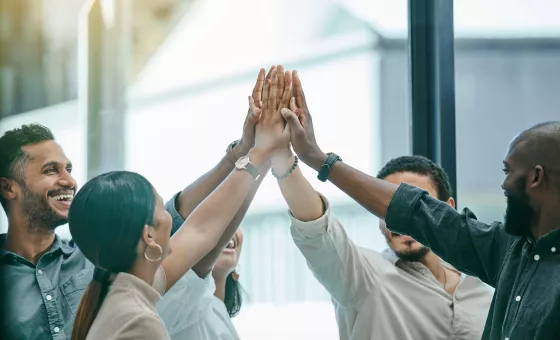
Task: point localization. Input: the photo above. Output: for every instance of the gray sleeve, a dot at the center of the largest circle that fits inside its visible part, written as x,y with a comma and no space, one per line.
177,220
471,246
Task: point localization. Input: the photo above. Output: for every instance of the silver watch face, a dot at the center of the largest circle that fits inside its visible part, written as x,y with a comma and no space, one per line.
242,162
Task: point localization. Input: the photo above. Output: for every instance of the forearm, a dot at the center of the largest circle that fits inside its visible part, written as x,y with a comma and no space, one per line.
371,193
203,228
304,202
197,191
204,266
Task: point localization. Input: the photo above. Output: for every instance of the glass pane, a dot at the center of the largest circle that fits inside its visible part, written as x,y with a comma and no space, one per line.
507,79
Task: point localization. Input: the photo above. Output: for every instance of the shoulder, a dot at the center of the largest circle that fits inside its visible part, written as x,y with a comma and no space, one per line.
144,326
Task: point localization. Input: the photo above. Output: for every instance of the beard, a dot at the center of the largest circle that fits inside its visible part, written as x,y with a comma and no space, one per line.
412,255
519,214
38,211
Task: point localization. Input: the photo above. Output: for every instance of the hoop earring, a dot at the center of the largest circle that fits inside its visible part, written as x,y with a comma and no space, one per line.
157,246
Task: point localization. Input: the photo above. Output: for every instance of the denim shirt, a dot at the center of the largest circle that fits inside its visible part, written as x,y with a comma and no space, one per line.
525,272
41,300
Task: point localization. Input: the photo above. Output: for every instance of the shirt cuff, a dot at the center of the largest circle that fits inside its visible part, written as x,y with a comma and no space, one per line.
402,207
312,229
176,218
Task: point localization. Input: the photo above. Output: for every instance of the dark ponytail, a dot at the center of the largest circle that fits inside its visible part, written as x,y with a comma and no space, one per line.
106,219
89,307
232,296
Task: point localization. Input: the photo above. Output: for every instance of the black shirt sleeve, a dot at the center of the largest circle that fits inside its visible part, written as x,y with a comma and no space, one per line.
474,247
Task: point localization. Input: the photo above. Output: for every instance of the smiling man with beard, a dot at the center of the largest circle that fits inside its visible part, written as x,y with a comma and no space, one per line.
519,258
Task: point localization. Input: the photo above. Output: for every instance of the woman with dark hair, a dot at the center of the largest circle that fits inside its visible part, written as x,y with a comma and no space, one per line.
119,222
226,276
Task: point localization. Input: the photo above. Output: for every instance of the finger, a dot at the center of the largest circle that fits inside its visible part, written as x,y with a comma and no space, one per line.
292,120
300,96
269,73
257,90
293,105
280,73
252,106
266,87
272,99
287,91
286,131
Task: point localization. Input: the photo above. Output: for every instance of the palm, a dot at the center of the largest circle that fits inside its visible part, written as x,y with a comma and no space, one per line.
271,133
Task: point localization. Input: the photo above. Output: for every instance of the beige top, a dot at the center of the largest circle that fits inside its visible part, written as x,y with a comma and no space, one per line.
378,296
128,312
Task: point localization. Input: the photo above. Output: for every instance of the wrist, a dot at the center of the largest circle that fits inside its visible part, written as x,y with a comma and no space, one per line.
259,158
314,159
282,163
240,149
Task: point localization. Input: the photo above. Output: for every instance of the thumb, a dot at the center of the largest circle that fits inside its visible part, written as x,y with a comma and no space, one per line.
292,120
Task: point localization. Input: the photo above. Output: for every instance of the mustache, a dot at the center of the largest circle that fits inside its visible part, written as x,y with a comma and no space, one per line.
62,191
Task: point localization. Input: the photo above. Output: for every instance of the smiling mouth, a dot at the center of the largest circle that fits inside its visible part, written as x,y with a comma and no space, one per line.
65,197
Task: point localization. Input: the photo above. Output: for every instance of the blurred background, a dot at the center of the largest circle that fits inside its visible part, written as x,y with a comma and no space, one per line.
160,87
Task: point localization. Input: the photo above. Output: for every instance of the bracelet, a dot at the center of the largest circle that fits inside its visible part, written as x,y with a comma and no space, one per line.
326,167
230,152
287,174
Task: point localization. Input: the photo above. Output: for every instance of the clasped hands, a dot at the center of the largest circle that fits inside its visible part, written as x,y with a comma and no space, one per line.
277,116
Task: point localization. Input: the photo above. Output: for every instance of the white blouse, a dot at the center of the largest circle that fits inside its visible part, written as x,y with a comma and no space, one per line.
191,311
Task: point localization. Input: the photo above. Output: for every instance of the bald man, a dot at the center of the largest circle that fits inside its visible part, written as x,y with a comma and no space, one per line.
519,257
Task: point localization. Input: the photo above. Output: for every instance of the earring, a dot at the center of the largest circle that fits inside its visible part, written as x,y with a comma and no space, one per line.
235,273
157,246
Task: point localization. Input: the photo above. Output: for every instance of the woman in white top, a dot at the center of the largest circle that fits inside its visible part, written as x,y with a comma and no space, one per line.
207,304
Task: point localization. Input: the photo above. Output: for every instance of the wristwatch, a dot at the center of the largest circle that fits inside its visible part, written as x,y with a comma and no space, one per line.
244,163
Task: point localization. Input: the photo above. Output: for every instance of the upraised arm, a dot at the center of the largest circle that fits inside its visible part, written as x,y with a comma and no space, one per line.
471,246
204,227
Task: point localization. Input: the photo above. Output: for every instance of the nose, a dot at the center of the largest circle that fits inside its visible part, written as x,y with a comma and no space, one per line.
66,180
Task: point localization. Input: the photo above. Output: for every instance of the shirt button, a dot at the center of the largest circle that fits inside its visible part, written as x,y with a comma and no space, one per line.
553,249
49,297
40,271
537,257
518,298
56,329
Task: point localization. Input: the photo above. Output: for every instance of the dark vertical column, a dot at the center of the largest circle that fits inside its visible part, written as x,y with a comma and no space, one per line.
432,82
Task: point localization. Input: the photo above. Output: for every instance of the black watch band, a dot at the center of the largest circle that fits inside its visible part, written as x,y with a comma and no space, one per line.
326,167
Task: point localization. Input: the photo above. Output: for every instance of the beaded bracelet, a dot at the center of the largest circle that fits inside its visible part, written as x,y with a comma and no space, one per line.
287,174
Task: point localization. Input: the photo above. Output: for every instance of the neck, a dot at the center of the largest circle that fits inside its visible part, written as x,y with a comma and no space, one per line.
545,223
145,270
220,281
27,240
433,263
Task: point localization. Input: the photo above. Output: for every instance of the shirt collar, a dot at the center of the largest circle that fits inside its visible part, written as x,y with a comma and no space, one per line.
65,248
549,242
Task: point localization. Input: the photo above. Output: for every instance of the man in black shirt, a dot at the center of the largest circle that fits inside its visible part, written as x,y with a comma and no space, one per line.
518,257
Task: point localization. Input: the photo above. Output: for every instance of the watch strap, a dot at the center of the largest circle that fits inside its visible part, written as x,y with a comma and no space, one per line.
326,167
253,171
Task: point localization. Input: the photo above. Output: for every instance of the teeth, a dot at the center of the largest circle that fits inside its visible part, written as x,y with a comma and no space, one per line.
63,197
231,244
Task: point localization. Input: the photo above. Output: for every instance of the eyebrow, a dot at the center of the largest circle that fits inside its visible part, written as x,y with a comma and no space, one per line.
55,164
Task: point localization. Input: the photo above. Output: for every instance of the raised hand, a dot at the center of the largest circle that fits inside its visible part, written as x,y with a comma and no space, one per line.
299,120
272,134
247,140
